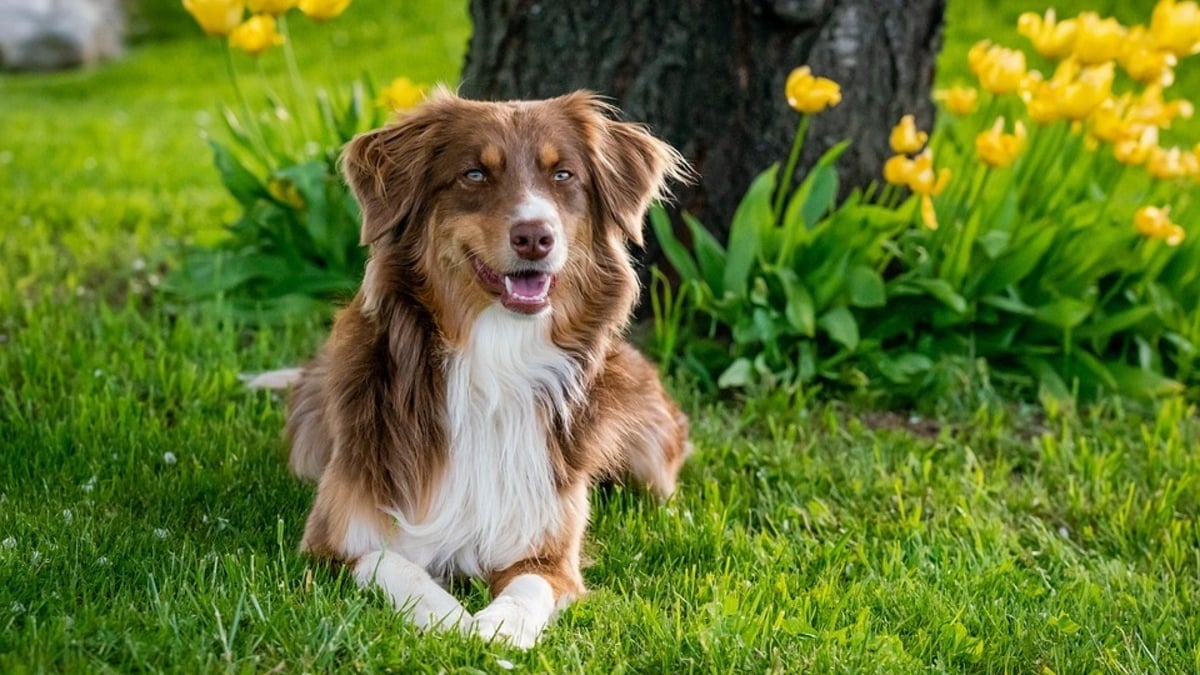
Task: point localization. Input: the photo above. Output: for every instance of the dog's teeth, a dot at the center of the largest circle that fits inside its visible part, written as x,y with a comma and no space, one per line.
508,284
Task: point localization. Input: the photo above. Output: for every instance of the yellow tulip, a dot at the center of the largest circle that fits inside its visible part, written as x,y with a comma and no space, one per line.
1098,40
256,35
216,17
1150,108
1166,163
958,100
998,149
922,179
897,170
323,10
1145,62
401,94
1039,98
928,213
1175,27
808,94
1136,150
1155,222
1000,70
1191,163
905,138
1107,121
1051,38
272,7
917,174
1076,98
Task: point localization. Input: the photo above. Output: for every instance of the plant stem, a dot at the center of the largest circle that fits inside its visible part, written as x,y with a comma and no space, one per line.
298,90
255,132
785,181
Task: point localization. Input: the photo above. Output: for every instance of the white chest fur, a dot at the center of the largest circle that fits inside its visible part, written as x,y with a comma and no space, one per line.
497,497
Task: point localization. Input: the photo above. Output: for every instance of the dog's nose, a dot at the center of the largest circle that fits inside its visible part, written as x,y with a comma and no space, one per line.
531,239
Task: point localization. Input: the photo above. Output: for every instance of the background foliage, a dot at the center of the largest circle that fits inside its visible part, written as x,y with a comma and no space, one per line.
1036,277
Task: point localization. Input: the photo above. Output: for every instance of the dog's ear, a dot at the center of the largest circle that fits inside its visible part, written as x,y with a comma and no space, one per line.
630,167
386,169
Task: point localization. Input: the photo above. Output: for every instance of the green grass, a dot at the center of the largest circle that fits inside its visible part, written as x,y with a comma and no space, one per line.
147,521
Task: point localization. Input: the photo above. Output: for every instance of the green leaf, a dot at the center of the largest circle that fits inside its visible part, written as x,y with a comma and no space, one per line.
994,242
939,289
1007,304
710,256
1143,383
1115,323
1050,382
841,327
245,187
904,368
799,310
676,253
1021,258
866,287
752,218
1063,313
740,373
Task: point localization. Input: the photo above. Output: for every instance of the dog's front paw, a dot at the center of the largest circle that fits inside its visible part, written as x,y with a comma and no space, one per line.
508,621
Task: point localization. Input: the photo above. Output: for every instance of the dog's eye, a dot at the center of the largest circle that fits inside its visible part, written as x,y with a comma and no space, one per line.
475,175
561,175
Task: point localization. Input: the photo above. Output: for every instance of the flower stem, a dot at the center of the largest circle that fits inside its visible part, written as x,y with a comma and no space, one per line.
254,132
297,89
785,180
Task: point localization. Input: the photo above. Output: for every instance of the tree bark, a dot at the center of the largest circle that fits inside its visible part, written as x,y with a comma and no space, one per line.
708,76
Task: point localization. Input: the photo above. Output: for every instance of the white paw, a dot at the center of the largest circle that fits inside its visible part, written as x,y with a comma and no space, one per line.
507,621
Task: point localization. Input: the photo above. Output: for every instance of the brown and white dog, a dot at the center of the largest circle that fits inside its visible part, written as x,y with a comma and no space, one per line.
479,382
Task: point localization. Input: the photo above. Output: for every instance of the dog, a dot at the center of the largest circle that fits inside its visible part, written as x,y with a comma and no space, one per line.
479,382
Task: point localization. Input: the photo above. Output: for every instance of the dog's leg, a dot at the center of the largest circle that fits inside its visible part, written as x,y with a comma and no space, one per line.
520,612
656,443
346,524
527,595
411,590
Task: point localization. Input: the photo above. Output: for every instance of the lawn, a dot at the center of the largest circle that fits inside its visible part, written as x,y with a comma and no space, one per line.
147,521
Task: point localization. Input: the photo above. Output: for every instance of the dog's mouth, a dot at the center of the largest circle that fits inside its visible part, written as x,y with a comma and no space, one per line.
522,291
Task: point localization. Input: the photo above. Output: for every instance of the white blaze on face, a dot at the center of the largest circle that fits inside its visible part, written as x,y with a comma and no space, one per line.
535,207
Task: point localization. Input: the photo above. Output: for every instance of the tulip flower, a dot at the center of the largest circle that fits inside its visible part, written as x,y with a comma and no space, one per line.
1175,27
1000,70
1155,222
998,149
216,17
323,10
808,94
1145,61
1051,38
272,7
1150,108
928,213
1098,40
1078,96
1107,121
958,100
401,94
1136,150
1166,163
256,35
905,138
916,174
922,179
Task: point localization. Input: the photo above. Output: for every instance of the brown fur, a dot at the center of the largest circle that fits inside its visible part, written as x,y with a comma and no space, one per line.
366,420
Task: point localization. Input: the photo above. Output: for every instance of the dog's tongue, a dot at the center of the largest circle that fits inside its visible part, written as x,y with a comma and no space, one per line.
526,293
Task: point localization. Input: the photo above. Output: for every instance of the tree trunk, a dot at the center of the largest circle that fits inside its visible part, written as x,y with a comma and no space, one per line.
708,76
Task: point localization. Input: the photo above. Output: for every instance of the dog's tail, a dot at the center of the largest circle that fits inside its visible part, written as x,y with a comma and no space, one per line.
272,379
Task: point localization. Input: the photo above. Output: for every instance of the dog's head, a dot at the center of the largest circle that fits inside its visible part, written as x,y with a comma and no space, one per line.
479,202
